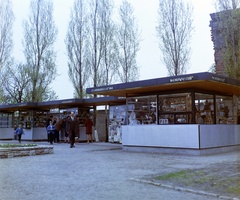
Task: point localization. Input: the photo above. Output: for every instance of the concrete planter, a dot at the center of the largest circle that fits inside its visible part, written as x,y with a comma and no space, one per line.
12,152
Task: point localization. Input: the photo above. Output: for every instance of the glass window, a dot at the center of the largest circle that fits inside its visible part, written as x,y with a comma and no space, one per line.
40,119
25,119
175,108
6,120
166,119
204,107
142,110
175,102
224,110
182,118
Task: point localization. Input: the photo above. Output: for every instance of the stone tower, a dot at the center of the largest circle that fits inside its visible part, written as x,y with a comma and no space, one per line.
218,43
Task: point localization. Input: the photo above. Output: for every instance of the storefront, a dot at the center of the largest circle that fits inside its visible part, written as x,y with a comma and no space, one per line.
183,113
33,116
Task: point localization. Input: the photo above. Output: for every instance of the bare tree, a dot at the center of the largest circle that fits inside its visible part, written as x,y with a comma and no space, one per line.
96,41
229,28
128,39
6,44
16,80
39,36
222,5
174,29
77,47
6,23
109,42
212,68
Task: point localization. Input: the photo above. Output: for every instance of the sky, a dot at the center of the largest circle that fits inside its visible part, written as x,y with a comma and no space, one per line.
148,58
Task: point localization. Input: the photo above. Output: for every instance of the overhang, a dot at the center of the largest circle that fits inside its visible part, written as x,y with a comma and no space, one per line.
201,81
62,104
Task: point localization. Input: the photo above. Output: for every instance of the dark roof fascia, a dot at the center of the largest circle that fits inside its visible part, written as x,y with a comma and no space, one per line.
65,103
58,103
166,80
106,100
18,106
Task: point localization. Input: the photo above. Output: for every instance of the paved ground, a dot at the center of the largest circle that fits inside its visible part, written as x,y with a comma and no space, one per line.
101,171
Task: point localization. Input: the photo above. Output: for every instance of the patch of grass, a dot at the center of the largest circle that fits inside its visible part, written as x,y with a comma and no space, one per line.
234,186
203,180
183,174
174,175
235,190
16,145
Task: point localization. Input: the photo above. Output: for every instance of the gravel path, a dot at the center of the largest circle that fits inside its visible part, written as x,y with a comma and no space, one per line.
100,171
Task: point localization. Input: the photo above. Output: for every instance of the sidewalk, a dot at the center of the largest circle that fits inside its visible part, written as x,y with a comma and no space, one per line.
105,171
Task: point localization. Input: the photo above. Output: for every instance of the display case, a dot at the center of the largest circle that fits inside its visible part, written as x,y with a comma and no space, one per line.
224,110
175,108
204,105
82,114
24,118
117,117
40,118
175,103
176,118
142,110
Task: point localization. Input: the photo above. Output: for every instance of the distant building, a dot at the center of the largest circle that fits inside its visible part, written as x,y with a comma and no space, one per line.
218,40
218,43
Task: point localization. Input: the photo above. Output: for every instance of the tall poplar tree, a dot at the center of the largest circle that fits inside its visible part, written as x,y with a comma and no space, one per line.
6,43
77,48
40,34
174,29
128,40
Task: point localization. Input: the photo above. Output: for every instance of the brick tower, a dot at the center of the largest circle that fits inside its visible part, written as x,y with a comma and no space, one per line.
218,43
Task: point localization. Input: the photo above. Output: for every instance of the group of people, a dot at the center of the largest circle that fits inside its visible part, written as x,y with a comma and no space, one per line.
70,125
53,133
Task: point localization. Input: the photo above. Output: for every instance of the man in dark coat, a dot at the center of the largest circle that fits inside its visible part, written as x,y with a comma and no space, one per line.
72,128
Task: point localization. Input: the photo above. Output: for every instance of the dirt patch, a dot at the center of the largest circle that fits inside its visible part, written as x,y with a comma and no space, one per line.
222,179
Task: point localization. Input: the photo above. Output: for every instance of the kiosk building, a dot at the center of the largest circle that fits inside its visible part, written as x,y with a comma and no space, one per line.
194,113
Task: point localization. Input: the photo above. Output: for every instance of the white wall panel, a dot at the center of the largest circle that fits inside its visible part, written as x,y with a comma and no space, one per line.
178,136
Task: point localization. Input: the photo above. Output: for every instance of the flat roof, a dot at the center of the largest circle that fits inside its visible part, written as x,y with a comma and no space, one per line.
62,104
202,81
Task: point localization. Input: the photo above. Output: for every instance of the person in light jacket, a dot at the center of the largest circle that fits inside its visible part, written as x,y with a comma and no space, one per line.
51,132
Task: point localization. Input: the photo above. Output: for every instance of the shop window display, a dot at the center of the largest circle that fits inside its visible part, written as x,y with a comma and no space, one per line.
82,114
40,119
224,110
175,108
204,105
178,109
142,110
23,117
117,117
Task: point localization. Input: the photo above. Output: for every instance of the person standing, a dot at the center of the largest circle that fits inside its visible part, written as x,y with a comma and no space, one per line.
19,132
88,125
56,139
66,136
199,119
47,124
72,127
51,132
